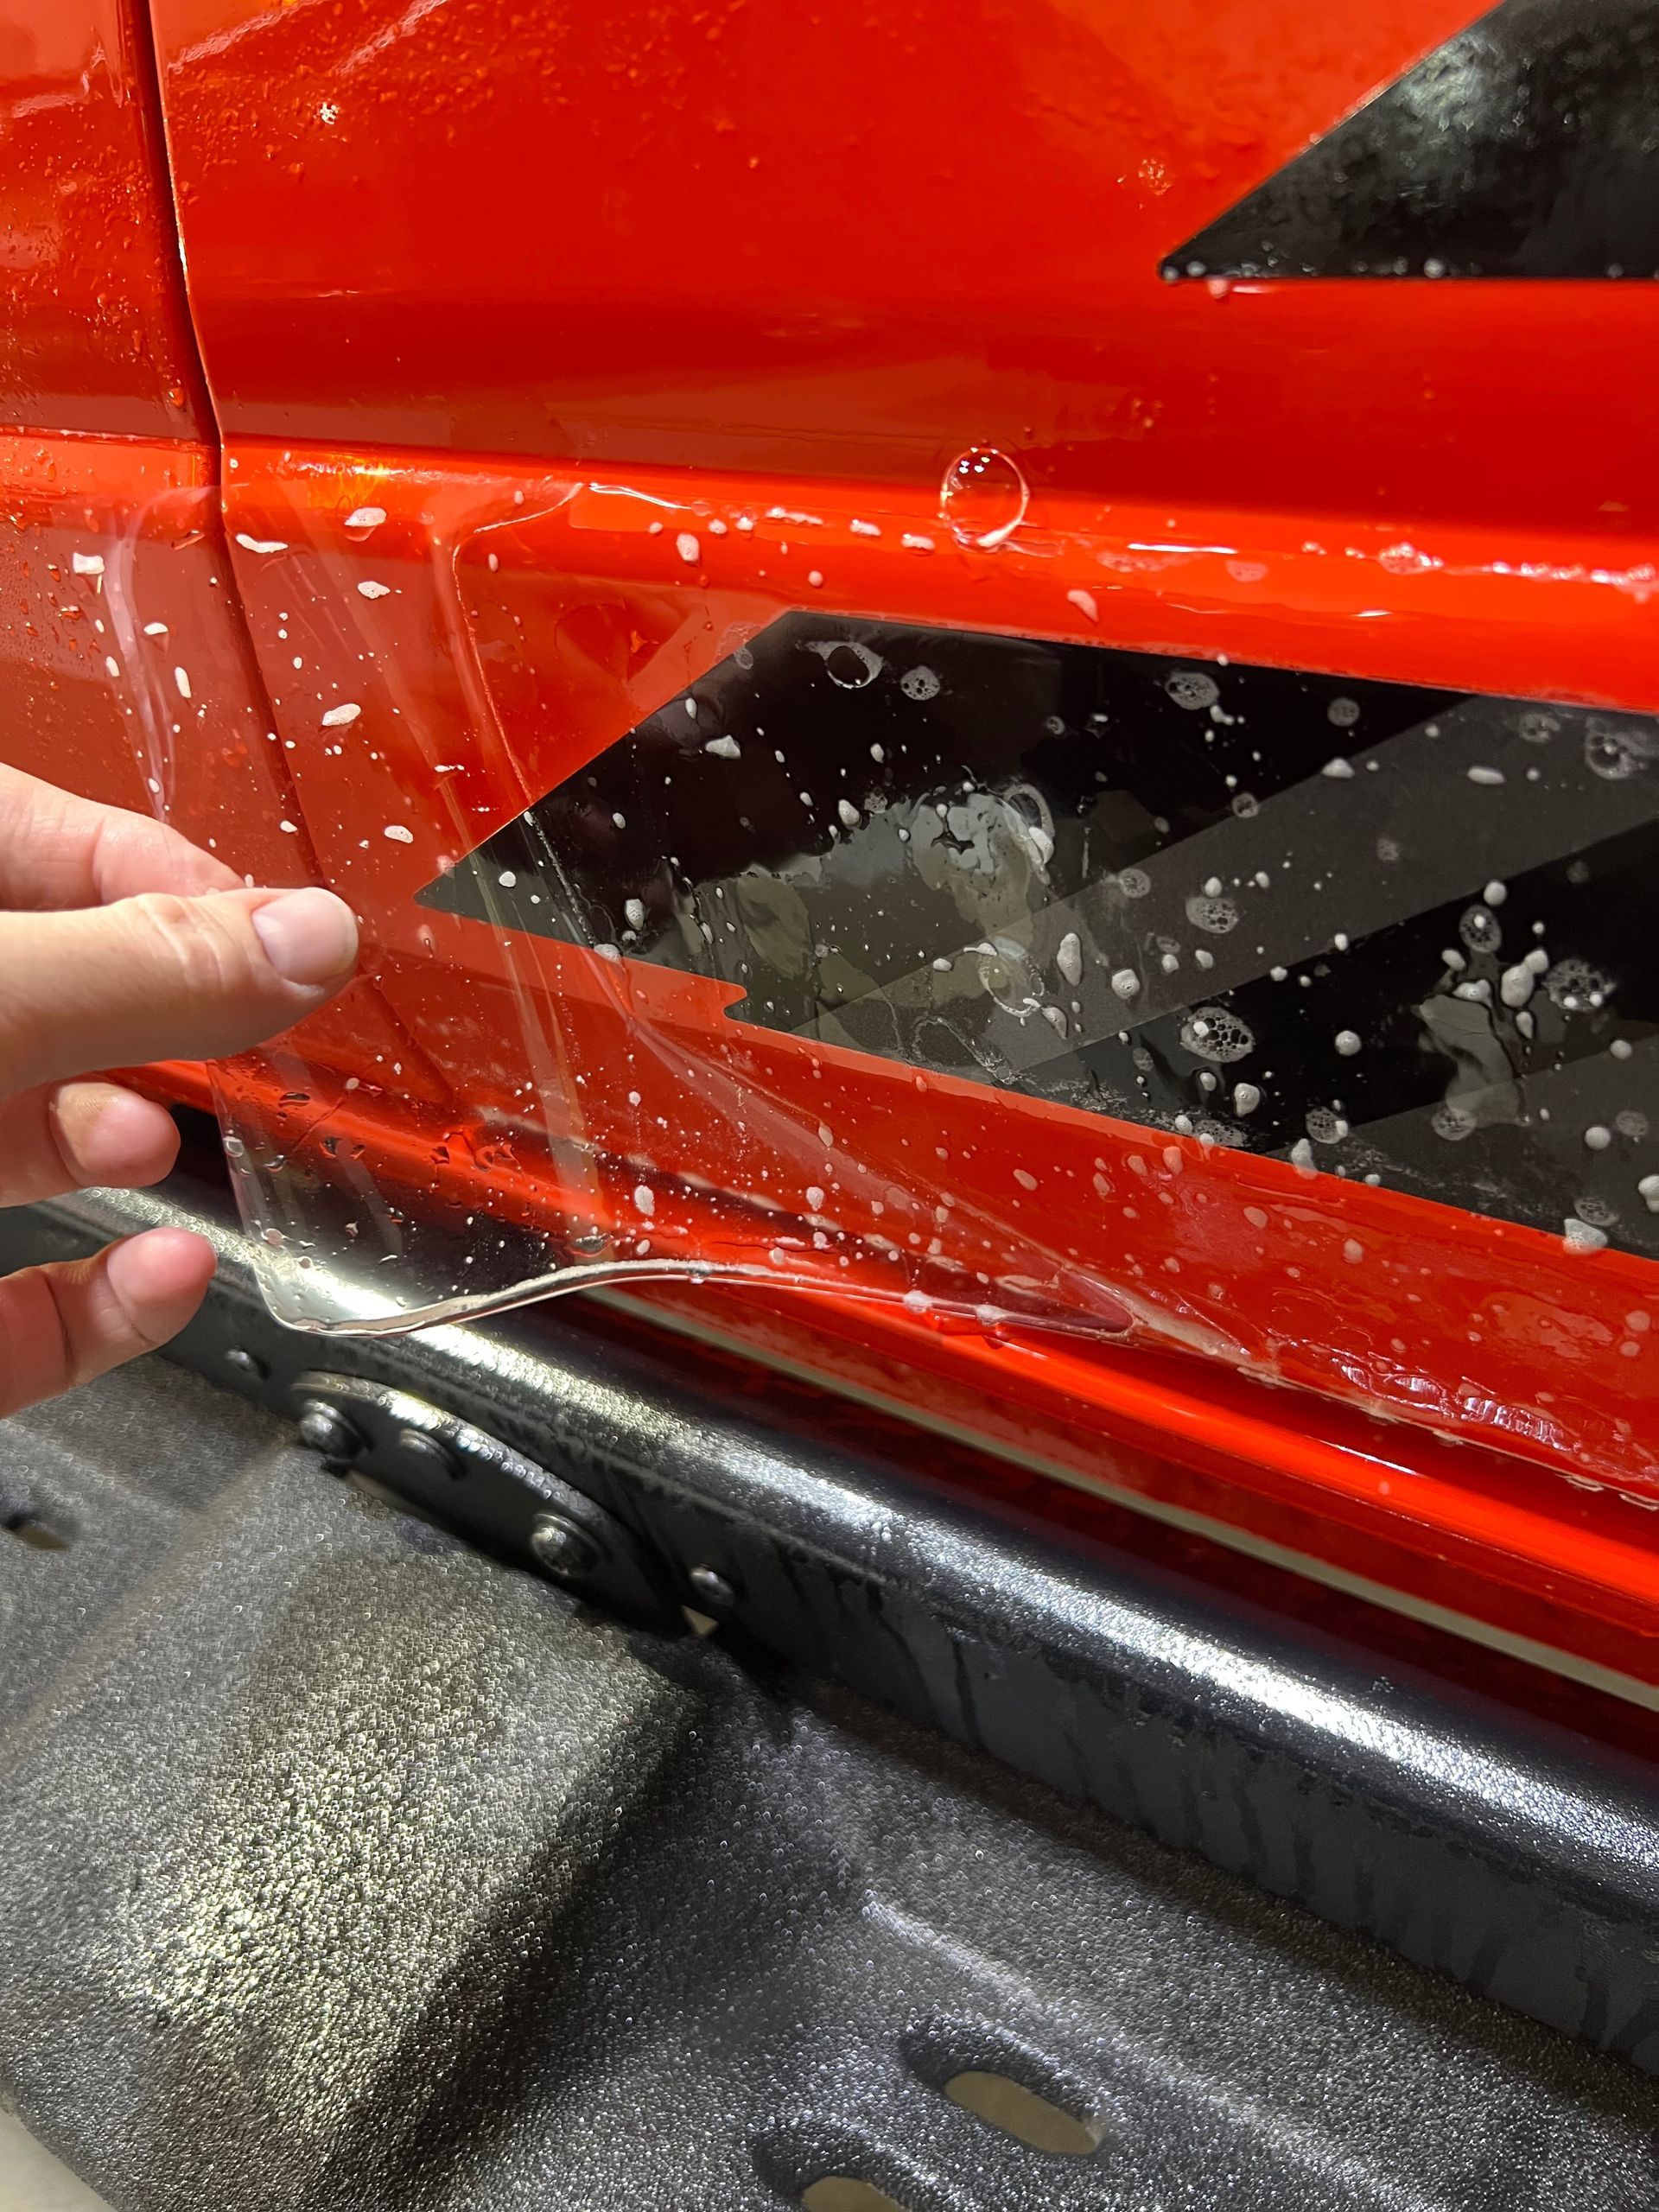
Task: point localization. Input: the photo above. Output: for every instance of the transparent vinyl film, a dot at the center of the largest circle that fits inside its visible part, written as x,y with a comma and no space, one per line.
716,929
515,1098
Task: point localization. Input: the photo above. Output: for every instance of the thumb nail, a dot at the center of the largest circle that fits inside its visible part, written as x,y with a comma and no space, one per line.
309,937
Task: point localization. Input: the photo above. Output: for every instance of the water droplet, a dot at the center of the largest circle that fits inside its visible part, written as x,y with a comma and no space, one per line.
1479,930
1192,688
1212,1032
983,498
1217,915
1616,754
1573,985
848,662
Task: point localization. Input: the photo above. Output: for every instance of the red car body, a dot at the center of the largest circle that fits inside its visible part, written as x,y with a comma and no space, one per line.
529,281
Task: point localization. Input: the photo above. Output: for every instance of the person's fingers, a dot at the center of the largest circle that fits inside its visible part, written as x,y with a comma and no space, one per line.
158,977
61,1324
81,1136
57,850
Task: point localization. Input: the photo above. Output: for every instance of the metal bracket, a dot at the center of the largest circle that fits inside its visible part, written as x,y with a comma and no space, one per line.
470,1481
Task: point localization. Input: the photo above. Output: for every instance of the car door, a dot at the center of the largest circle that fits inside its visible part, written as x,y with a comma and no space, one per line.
945,631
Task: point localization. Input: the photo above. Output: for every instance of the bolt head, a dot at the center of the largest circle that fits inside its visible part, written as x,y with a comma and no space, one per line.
716,1593
247,1363
427,1454
562,1548
323,1428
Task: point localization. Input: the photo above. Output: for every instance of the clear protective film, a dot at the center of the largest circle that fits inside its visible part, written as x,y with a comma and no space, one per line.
1018,978
552,1073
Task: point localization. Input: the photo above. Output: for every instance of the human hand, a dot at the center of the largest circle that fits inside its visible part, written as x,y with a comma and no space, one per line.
122,943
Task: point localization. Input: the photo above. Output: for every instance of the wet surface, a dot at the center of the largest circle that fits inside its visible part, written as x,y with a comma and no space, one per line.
1524,147
1390,931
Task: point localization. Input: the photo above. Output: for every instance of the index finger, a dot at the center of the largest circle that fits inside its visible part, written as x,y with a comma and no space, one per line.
58,851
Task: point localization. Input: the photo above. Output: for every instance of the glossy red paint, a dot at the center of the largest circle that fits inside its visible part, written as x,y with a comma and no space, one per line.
123,657
844,242
533,286
1474,1537
1477,1536
564,610
95,334
605,621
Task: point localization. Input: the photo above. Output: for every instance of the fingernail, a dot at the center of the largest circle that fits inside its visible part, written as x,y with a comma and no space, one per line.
309,937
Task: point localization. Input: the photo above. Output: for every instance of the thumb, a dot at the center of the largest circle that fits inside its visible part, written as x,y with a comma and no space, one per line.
158,977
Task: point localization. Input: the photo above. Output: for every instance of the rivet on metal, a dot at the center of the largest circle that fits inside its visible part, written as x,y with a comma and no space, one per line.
562,1548
323,1429
428,1452
716,1592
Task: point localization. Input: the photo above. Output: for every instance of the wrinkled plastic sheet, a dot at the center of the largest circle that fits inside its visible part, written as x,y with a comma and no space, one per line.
536,1094
800,972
